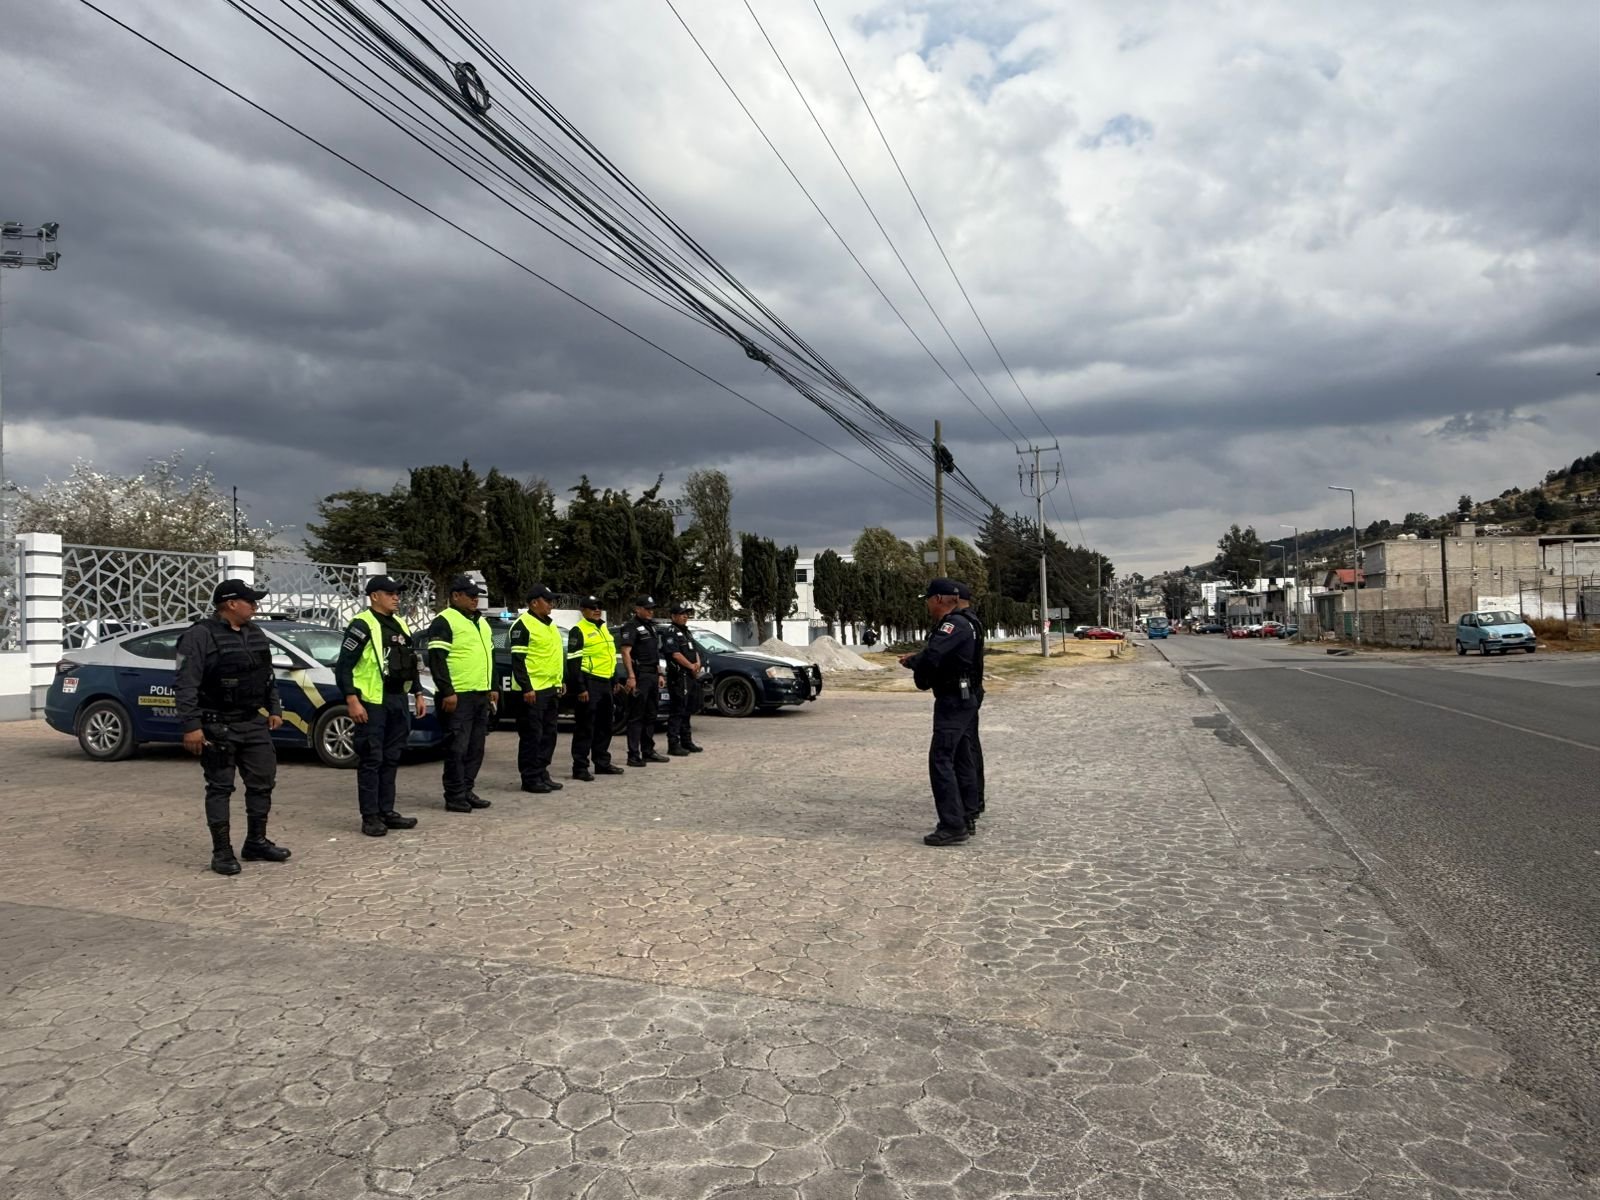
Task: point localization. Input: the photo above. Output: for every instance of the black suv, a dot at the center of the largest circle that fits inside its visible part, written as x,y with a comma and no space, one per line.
741,681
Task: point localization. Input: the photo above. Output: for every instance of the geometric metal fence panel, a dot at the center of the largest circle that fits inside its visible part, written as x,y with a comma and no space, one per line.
11,597
322,593
109,589
417,602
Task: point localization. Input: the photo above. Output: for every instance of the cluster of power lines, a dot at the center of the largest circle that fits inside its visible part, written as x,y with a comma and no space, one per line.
425,76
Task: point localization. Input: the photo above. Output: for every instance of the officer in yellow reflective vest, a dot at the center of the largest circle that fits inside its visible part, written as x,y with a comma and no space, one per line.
538,664
461,657
592,683
376,672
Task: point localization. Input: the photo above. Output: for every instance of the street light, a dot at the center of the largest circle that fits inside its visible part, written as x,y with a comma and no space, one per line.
1298,635
48,260
1355,562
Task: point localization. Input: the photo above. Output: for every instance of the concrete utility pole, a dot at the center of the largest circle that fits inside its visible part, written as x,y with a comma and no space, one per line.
1355,562
939,454
1034,476
12,256
1299,634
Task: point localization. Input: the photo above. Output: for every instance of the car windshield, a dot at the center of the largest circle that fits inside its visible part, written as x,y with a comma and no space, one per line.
712,641
320,644
1498,618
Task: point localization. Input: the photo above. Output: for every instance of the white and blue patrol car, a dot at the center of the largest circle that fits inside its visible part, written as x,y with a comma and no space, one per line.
120,693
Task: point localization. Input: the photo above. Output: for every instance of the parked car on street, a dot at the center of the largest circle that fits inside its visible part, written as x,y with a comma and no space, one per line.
1209,627
743,681
1099,633
1081,631
1288,631
1238,631
1495,632
1268,629
119,694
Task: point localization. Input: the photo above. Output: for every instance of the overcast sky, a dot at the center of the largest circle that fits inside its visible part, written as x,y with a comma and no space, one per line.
1233,252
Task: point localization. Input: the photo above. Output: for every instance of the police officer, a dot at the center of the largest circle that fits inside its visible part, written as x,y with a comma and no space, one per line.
378,677
224,683
538,663
683,681
964,609
461,657
641,655
591,682
945,666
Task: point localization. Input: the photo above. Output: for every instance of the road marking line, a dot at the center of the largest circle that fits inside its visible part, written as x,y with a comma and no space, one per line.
1460,712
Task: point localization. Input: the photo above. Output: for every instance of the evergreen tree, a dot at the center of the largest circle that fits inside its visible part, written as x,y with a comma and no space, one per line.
1239,552
827,588
758,587
358,525
710,498
444,521
517,519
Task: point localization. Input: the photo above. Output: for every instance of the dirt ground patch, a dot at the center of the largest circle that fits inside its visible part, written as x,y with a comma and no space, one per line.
1005,664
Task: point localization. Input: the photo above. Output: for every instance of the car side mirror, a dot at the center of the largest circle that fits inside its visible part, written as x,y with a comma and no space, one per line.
282,662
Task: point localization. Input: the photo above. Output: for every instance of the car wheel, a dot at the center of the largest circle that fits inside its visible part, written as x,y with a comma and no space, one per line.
105,732
333,737
1483,648
735,697
1461,648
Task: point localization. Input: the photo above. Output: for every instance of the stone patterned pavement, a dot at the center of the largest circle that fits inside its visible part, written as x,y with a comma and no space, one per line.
741,975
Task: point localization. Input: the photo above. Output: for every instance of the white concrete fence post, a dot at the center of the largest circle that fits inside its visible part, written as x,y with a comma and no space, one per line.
42,632
368,569
237,564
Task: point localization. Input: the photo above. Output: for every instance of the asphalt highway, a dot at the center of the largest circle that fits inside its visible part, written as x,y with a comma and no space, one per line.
1477,783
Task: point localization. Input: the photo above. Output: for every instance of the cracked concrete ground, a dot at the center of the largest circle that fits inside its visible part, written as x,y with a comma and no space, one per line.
1152,975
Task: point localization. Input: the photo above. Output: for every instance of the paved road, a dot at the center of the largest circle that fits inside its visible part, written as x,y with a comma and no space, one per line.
1478,781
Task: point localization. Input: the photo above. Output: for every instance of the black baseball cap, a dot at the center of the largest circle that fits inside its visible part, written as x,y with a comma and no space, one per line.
384,583
589,602
645,602
236,589
463,584
941,587
682,606
963,592
539,592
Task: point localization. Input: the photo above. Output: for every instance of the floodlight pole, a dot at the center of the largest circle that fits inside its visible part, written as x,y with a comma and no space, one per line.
1035,479
46,260
1355,562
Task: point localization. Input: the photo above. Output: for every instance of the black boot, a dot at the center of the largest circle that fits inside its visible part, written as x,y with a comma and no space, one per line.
256,847
677,750
582,773
222,860
551,783
608,769
538,786
654,757
372,825
693,747
394,820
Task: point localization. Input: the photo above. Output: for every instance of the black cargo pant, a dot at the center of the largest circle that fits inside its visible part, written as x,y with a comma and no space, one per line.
976,749
536,736
245,745
592,721
464,732
683,693
642,707
379,744
951,770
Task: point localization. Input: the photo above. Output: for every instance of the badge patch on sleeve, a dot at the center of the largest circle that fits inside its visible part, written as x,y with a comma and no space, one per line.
352,643
948,627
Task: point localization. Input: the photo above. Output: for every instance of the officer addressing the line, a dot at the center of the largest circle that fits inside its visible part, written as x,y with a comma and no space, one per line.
227,700
641,655
461,657
964,608
945,667
378,677
591,681
538,663
683,682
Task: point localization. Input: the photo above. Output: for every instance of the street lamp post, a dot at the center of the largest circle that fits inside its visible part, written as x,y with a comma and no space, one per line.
1355,561
1298,635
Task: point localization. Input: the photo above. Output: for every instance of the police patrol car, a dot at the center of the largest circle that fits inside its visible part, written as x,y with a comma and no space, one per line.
117,694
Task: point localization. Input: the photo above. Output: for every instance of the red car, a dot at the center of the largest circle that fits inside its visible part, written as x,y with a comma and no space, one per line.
1101,634
1269,629
1238,631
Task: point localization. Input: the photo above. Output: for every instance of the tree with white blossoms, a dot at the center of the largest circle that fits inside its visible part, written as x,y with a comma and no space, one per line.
164,507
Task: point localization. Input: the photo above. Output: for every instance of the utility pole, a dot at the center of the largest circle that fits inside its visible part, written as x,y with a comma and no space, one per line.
12,256
1355,562
1299,635
1034,477
939,456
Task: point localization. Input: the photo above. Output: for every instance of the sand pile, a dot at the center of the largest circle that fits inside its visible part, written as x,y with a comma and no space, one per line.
825,652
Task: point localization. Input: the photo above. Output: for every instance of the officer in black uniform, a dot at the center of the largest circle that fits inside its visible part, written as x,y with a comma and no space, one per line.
964,609
590,643
224,683
641,655
945,666
683,681
382,729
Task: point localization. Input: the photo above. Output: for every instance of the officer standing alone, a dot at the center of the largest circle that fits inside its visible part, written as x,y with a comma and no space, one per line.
965,609
591,681
683,682
945,667
641,654
224,682
461,657
538,663
378,677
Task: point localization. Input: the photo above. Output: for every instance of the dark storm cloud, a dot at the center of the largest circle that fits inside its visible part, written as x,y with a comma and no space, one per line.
1220,249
